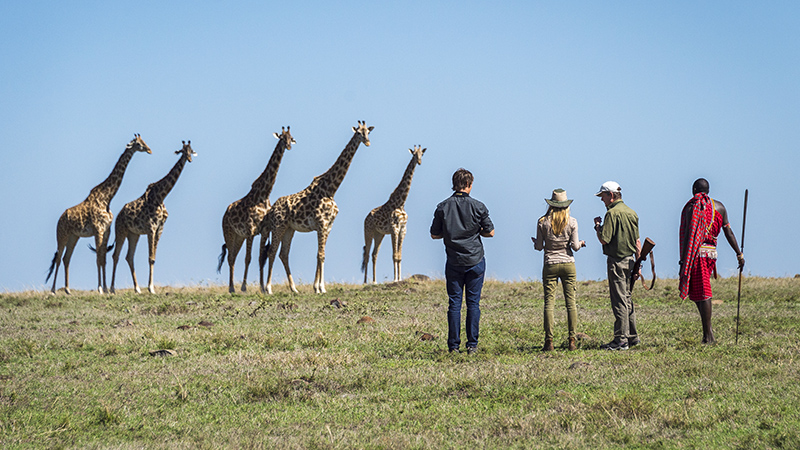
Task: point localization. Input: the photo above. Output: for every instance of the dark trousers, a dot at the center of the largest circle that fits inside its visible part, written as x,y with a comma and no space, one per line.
464,281
619,278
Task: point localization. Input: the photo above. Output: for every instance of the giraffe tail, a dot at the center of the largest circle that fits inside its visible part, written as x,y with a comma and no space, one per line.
52,266
108,249
264,254
222,257
364,259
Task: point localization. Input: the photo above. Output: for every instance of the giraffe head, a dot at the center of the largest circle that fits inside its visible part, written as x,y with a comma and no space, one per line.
138,144
286,137
363,132
187,150
418,152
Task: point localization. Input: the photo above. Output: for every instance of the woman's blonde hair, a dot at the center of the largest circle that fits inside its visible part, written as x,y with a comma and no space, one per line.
559,217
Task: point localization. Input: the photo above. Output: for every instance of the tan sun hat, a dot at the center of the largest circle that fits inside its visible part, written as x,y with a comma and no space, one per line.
559,199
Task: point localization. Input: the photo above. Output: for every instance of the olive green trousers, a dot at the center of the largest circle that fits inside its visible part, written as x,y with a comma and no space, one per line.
551,273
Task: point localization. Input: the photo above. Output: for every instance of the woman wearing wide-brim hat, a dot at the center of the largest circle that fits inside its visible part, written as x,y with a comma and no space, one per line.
557,235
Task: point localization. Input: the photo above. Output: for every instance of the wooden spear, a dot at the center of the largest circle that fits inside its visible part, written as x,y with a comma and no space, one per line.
741,268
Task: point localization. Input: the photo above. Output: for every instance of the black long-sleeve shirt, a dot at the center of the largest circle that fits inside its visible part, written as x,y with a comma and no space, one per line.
460,220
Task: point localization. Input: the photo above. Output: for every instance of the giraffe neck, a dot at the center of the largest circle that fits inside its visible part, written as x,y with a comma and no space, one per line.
262,186
400,193
158,191
106,190
328,183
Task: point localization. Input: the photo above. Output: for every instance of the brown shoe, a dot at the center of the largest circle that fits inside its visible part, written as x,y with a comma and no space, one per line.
548,345
571,344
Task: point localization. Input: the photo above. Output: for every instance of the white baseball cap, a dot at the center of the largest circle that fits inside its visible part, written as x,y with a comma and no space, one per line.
609,186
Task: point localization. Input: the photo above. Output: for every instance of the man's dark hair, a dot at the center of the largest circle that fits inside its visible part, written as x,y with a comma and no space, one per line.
700,185
462,179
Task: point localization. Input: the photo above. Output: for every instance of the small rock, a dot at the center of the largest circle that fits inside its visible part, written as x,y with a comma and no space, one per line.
185,327
288,305
426,337
338,303
205,323
124,323
419,277
582,336
163,352
366,319
578,365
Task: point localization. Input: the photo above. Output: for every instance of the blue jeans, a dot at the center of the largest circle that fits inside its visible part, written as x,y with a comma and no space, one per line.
464,280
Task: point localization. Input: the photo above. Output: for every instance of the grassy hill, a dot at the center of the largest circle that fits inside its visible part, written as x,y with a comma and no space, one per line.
199,368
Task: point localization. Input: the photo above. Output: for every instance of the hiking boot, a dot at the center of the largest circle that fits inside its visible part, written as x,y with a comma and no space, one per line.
633,342
454,350
472,350
572,345
613,345
548,345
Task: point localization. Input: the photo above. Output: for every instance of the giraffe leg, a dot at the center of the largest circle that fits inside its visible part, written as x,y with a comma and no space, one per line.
72,240
133,239
152,247
378,237
398,253
365,256
101,241
119,240
286,245
248,252
233,251
319,278
56,263
277,240
262,257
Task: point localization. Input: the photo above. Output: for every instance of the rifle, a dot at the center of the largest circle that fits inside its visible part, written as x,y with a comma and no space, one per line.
647,249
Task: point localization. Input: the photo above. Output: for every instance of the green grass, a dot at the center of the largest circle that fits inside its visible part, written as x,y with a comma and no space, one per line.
293,371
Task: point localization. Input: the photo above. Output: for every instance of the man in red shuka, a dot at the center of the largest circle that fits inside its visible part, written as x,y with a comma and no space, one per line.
701,221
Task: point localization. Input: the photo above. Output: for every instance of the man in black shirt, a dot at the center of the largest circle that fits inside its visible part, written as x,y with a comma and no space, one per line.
461,221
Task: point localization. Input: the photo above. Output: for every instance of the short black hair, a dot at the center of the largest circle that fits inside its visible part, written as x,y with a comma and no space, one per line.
700,185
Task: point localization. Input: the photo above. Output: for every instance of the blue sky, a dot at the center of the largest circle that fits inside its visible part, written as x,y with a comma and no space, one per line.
530,96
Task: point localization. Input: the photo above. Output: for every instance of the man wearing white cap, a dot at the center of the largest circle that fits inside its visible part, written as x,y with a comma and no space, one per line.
619,234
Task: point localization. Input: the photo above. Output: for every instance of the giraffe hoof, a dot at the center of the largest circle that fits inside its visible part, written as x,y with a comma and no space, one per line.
151,289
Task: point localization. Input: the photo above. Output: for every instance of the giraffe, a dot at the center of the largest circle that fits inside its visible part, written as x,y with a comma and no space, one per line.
147,215
92,217
243,217
312,209
390,218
